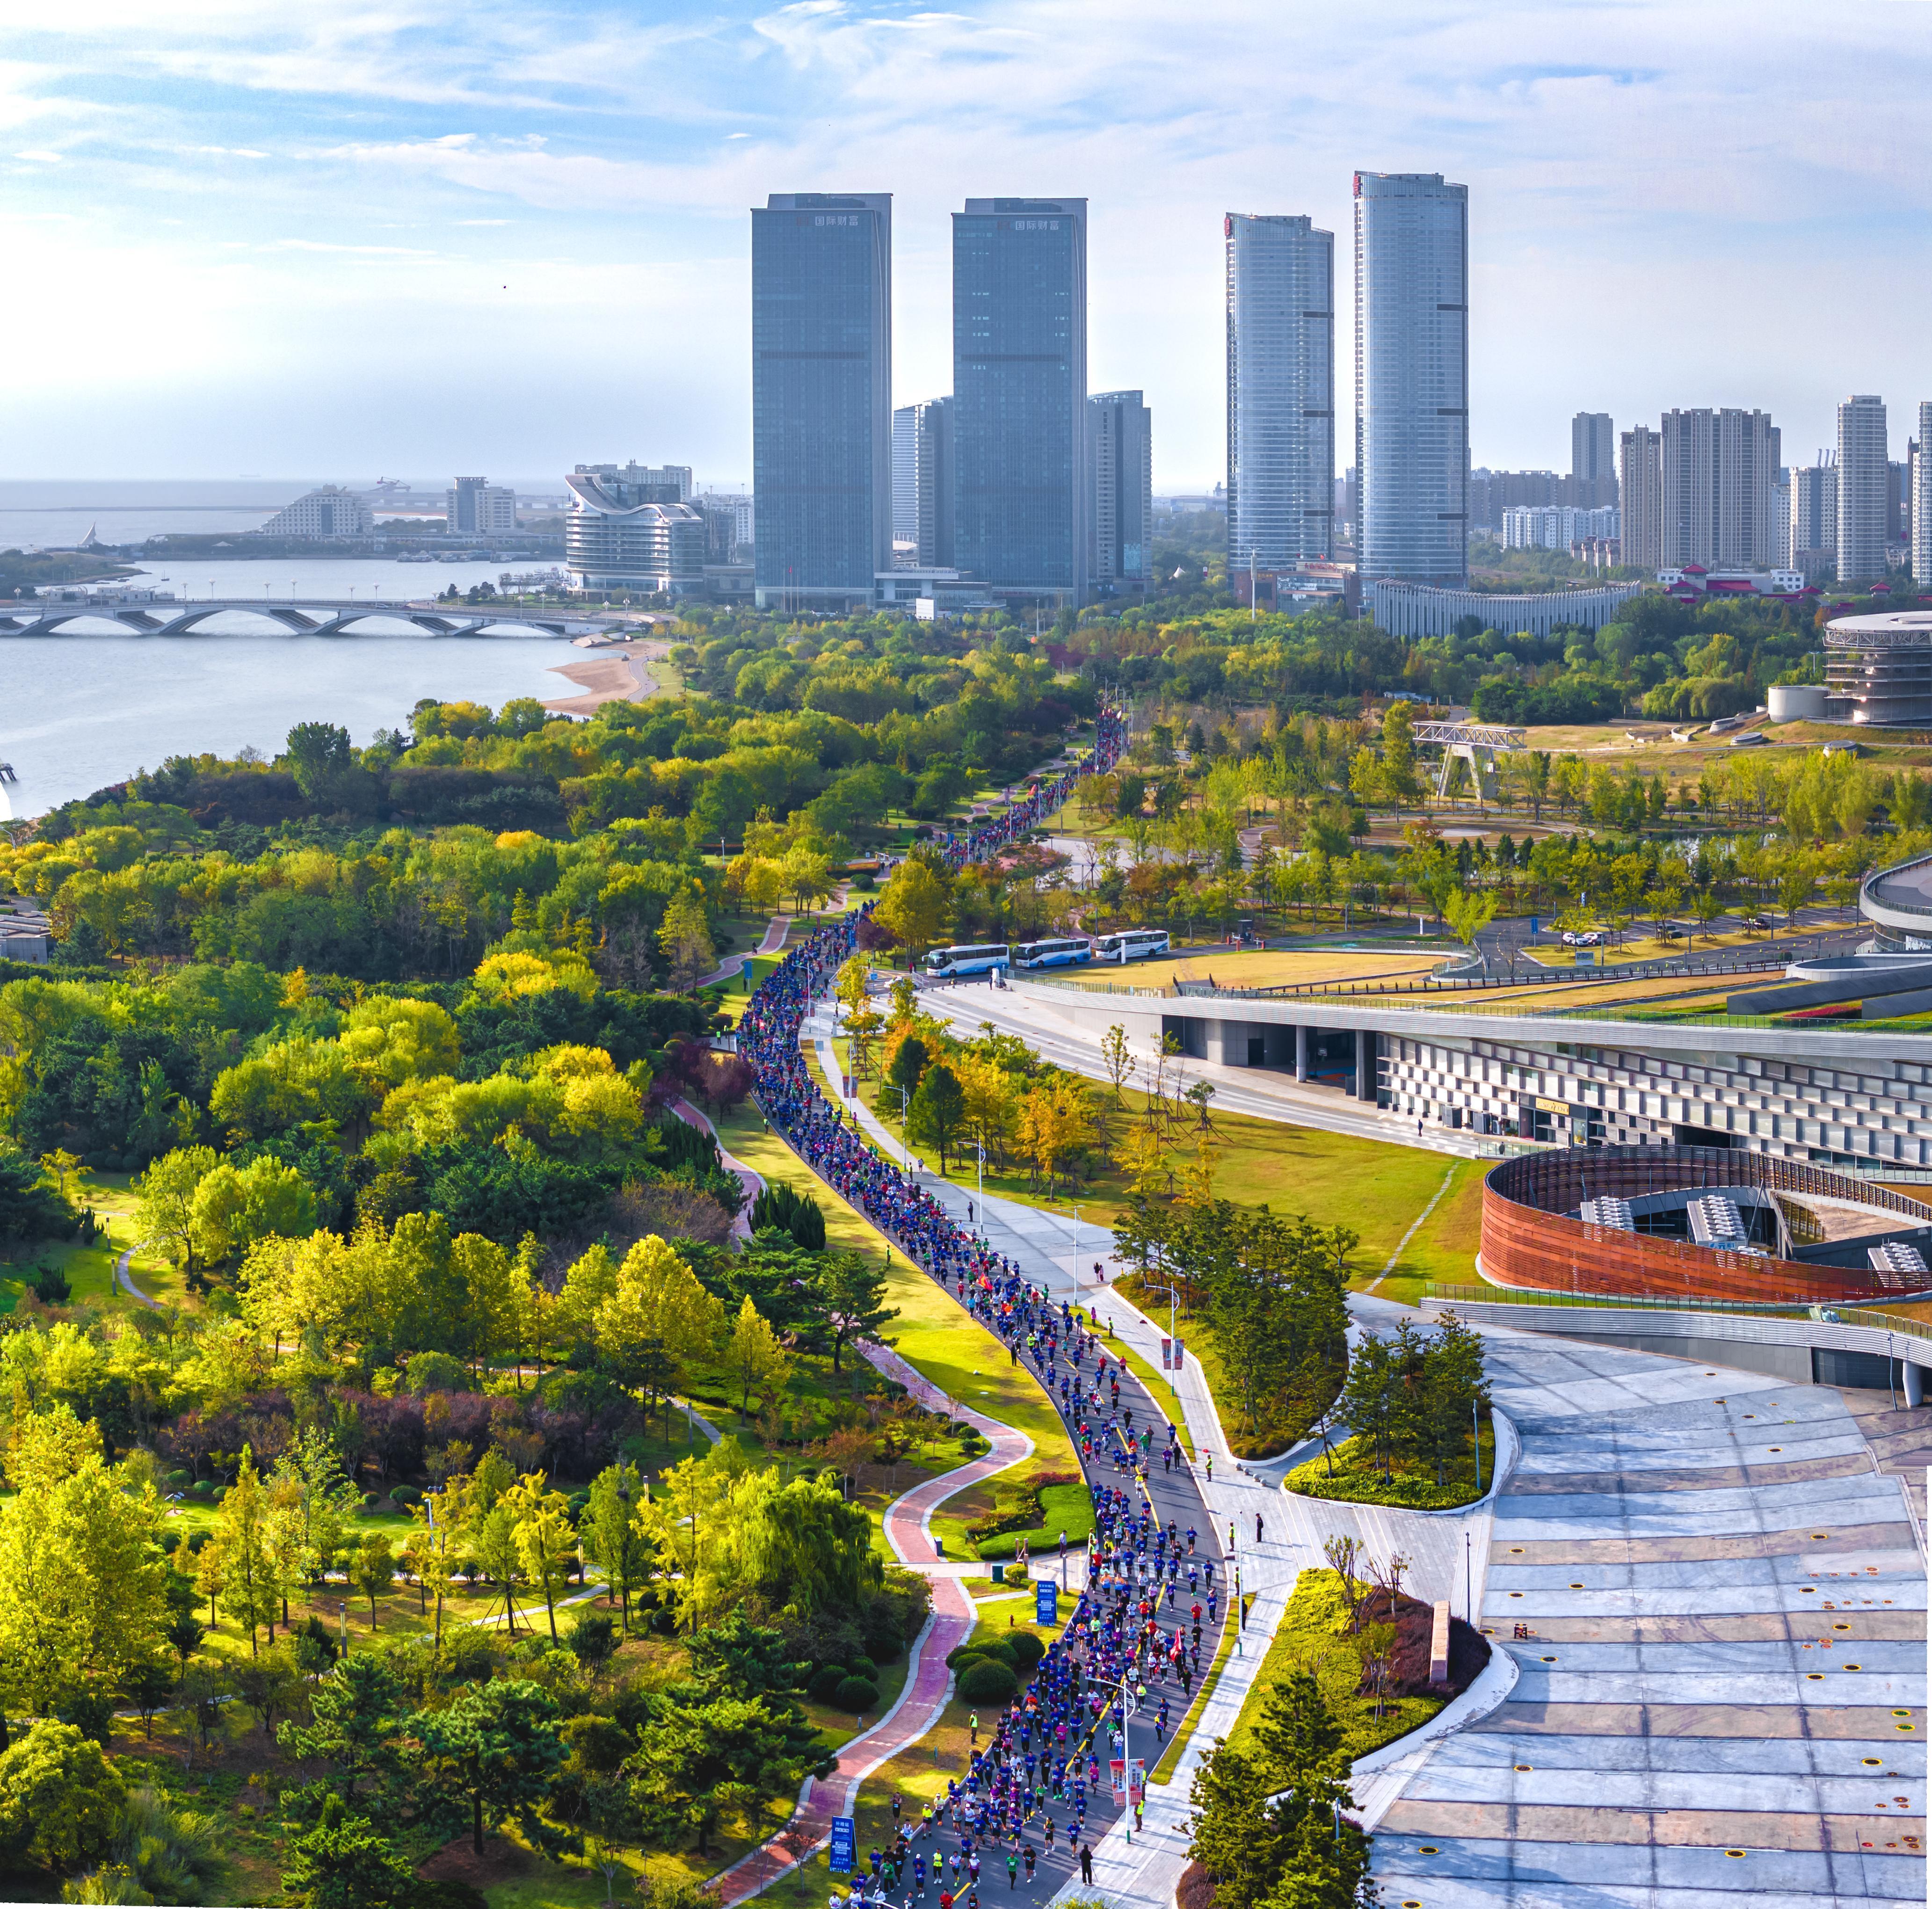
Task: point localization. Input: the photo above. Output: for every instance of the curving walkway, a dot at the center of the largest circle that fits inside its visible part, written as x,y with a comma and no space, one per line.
749,1178
780,927
929,1684
126,1284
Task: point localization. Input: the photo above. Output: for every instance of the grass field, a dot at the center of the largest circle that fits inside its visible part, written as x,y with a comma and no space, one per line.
1260,967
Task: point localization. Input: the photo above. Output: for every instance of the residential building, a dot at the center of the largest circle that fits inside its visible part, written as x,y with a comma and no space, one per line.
1593,461
329,512
1921,501
1120,463
1781,509
620,534
1281,391
1720,488
1864,480
1557,527
1641,452
821,395
1898,502
474,507
1814,546
1412,375
1019,396
922,484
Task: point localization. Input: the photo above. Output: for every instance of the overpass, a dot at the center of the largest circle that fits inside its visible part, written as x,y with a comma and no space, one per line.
310,617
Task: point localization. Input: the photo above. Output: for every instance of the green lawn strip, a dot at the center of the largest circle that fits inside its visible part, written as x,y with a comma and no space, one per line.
837,1728
1312,1637
1443,1247
1358,1480
1163,1771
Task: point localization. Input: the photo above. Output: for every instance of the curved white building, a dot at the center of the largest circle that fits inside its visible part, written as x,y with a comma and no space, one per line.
623,534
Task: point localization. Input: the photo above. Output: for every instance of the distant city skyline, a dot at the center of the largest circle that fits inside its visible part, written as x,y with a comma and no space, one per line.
478,238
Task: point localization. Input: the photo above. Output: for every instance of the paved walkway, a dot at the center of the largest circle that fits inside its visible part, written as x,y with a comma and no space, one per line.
1722,1697
775,931
749,1178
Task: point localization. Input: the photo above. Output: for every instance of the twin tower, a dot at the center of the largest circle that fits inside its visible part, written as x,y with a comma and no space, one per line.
1020,503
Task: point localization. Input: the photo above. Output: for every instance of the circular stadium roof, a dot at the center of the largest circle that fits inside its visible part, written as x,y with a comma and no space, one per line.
1888,626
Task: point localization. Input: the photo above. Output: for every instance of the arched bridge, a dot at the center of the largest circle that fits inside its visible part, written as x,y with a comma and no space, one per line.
321,618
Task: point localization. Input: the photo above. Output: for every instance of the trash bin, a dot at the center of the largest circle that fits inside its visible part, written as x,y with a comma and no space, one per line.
999,1574
939,1546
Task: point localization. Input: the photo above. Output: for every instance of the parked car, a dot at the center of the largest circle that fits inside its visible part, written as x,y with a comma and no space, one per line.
1756,924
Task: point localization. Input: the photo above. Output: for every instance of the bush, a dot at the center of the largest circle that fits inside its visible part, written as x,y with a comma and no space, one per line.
864,1667
989,1681
371,1500
856,1694
825,1682
592,1637
1028,1647
405,1497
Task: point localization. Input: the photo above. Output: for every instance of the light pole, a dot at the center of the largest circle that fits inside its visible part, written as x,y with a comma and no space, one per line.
980,1149
905,1139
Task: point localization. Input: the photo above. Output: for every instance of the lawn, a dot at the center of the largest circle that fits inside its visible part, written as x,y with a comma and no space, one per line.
1350,1475
1258,968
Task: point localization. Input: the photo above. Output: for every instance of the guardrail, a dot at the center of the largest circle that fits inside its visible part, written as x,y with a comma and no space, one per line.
1452,1294
1868,888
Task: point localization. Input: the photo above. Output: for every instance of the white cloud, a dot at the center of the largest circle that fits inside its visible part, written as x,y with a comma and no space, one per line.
40,158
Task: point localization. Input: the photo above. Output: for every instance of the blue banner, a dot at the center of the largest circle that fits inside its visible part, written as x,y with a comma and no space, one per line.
1046,1602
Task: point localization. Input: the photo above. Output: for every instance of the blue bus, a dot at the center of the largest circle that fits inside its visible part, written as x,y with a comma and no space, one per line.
983,958
1068,951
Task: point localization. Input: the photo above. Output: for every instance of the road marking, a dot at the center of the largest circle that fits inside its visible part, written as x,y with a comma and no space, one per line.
1410,1234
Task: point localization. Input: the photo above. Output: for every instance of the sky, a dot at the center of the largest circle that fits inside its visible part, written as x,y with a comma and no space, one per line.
411,238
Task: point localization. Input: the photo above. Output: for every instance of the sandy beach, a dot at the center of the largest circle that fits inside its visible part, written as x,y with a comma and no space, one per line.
621,674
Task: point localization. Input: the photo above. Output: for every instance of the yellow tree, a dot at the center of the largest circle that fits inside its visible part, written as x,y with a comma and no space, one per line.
754,1357
442,1544
849,985
546,1544
1143,1158
81,1583
656,1316
913,905
251,1583
1053,1122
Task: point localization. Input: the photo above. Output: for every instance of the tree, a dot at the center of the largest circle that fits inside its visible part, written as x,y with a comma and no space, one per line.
60,1799
373,1571
854,1291
356,1723
250,1584
697,1765
546,1545
342,1863
850,985
612,1538
166,1215
147,1685
686,939
267,1682
31,1206
1119,1063
912,904
655,1316
1795,884
82,1586
1469,914
491,1755
937,1112
754,1357
908,1065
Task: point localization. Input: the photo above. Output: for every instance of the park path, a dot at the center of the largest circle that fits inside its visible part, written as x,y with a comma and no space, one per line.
127,1286
779,928
929,1683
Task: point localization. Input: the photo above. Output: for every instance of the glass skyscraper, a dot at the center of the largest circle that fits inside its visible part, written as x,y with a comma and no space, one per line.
1019,395
822,394
1412,376
922,484
1281,391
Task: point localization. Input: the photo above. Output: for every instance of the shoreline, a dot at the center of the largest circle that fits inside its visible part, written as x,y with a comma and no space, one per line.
620,673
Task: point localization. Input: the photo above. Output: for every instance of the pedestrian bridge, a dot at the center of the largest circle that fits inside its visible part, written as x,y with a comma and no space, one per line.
299,618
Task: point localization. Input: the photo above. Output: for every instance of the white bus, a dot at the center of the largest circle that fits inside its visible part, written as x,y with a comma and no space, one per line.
979,960
1067,952
1131,944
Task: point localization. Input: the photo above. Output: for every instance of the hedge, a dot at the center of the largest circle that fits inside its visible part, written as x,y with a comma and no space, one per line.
989,1681
856,1694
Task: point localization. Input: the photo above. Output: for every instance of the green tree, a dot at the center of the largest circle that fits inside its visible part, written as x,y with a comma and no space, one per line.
491,1755
757,1363
546,1544
913,905
342,1863
686,939
937,1112
698,1765
853,1291
60,1799
613,1539
908,1066
250,1584
355,1723
166,1216
374,1571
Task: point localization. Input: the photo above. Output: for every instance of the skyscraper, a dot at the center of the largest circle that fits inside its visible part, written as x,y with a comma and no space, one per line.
1643,452
1814,515
1120,461
1412,375
1593,460
1720,470
1019,395
1281,391
922,483
1921,501
1864,479
821,394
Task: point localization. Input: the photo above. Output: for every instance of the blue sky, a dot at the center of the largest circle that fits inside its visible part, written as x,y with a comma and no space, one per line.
395,236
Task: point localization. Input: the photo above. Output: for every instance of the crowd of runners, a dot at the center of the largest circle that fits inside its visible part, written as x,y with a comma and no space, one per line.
1105,1691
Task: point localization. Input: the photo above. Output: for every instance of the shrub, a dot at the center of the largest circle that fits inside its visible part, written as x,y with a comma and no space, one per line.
405,1496
592,1637
1026,1646
864,1667
856,1694
989,1681
825,1682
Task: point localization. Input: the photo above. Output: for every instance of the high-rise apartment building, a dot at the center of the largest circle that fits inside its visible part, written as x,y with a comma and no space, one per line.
474,507
1593,461
1120,461
1921,500
1720,489
1813,547
1642,452
1281,391
922,484
623,533
822,394
1864,479
1412,375
1019,395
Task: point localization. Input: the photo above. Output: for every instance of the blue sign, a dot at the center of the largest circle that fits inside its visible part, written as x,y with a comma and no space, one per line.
1046,1602
845,1845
